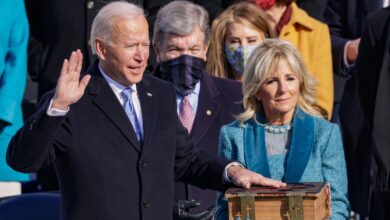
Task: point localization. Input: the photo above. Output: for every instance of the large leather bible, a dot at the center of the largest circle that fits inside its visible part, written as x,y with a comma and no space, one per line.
300,201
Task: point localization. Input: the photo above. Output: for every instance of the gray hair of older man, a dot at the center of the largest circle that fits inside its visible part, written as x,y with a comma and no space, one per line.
180,18
108,16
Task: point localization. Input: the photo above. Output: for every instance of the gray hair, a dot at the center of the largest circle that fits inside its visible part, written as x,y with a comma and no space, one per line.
181,18
262,63
108,16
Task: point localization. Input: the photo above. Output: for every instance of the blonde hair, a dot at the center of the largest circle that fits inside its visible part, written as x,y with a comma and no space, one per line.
263,63
244,13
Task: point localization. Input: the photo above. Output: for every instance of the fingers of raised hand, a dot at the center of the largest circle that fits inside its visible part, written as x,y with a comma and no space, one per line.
84,81
75,62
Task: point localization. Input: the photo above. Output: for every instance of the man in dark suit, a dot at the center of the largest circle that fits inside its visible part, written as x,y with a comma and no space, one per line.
181,40
372,75
57,27
114,136
345,19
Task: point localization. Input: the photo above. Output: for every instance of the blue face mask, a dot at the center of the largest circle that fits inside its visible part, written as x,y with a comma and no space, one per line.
237,56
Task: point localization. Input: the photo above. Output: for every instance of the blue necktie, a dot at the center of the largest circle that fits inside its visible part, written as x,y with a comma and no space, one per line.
131,114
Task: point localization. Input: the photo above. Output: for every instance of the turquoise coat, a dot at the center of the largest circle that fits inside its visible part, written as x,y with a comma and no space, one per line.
316,155
13,73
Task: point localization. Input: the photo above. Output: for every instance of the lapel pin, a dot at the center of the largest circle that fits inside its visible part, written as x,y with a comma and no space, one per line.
208,112
149,94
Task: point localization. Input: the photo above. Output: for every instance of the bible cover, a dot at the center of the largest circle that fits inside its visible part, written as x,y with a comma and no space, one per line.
298,201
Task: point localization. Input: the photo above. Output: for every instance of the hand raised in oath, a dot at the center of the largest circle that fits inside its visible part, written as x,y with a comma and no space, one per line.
69,86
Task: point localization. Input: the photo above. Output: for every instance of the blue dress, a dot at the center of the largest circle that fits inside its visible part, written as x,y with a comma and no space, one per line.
315,155
13,72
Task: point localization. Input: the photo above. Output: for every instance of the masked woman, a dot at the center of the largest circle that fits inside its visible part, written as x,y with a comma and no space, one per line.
234,35
280,135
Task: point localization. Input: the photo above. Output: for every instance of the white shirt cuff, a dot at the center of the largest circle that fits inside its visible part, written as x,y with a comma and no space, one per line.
54,111
346,63
225,174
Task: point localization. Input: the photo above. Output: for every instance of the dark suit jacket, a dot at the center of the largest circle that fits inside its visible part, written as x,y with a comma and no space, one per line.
372,74
345,19
103,170
219,101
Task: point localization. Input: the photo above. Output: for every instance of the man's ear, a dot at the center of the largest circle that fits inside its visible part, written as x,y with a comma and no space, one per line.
156,52
100,49
206,48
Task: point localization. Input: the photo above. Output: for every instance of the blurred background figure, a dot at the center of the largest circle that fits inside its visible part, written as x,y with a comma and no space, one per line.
315,8
280,135
345,19
13,72
372,74
204,103
235,33
312,40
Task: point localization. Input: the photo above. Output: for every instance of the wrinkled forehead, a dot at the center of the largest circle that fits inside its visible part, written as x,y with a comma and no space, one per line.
196,38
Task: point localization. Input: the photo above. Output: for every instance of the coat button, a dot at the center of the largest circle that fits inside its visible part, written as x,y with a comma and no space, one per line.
146,204
90,4
143,164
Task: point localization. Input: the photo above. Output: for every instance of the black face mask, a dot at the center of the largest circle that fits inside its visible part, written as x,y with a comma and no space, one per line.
184,72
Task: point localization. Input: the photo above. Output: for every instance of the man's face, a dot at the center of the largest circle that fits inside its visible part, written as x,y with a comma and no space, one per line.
125,57
174,46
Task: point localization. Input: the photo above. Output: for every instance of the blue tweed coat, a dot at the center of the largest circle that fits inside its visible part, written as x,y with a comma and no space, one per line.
316,155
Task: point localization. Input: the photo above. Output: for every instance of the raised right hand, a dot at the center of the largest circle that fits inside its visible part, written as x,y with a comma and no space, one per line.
69,86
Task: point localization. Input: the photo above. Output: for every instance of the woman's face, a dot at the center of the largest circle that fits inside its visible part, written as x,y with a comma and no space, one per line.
239,34
279,93
240,42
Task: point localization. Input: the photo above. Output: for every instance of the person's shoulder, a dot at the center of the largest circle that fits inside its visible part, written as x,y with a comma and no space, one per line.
301,17
378,16
234,126
225,82
155,82
227,86
323,124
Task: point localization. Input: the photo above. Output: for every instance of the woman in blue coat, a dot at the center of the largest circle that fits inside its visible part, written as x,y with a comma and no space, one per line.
280,134
13,72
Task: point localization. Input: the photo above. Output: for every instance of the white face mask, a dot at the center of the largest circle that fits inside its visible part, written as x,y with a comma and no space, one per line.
237,56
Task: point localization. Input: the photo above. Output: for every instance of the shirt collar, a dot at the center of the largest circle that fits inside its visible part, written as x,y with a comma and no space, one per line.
115,86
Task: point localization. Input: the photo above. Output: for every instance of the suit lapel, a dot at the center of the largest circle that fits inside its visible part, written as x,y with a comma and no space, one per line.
255,149
149,107
108,103
301,146
300,150
208,108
